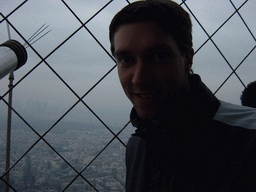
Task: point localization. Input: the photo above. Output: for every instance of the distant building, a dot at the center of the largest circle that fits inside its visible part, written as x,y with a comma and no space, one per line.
28,177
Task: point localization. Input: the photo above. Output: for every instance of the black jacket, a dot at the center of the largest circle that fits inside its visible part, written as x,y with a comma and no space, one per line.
203,144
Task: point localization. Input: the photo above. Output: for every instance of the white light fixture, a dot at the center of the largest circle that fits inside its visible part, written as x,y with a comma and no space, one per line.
12,56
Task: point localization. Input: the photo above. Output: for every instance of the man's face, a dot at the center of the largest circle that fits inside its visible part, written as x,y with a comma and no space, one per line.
150,66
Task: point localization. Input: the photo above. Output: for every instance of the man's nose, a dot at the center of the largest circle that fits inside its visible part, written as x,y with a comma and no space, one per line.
143,73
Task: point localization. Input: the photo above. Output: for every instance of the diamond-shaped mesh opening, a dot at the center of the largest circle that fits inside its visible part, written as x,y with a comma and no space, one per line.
70,117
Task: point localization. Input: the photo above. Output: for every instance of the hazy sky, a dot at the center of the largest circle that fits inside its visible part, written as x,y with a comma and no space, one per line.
81,61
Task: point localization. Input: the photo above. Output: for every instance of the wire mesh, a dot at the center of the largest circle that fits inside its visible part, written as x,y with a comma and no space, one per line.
70,117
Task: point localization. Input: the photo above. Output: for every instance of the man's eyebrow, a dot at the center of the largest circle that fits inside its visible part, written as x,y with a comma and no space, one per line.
121,52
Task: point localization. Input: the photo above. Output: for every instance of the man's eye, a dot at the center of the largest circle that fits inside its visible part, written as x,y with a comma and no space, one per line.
161,56
126,60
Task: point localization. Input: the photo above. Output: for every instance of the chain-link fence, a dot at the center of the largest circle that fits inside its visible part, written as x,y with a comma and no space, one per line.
70,118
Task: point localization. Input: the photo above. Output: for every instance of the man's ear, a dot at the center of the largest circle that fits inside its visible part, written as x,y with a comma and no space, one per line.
189,60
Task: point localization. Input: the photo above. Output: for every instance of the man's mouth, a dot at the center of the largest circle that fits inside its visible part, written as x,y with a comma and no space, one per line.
145,96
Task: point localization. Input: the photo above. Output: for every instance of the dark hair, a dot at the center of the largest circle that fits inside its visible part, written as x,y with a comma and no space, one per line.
248,97
168,15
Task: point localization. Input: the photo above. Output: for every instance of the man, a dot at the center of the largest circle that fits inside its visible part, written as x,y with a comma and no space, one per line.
248,97
186,139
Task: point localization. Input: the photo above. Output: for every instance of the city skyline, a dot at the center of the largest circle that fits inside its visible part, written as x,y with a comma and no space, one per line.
42,167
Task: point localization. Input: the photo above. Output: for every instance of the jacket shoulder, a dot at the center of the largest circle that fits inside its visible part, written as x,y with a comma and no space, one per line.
236,115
